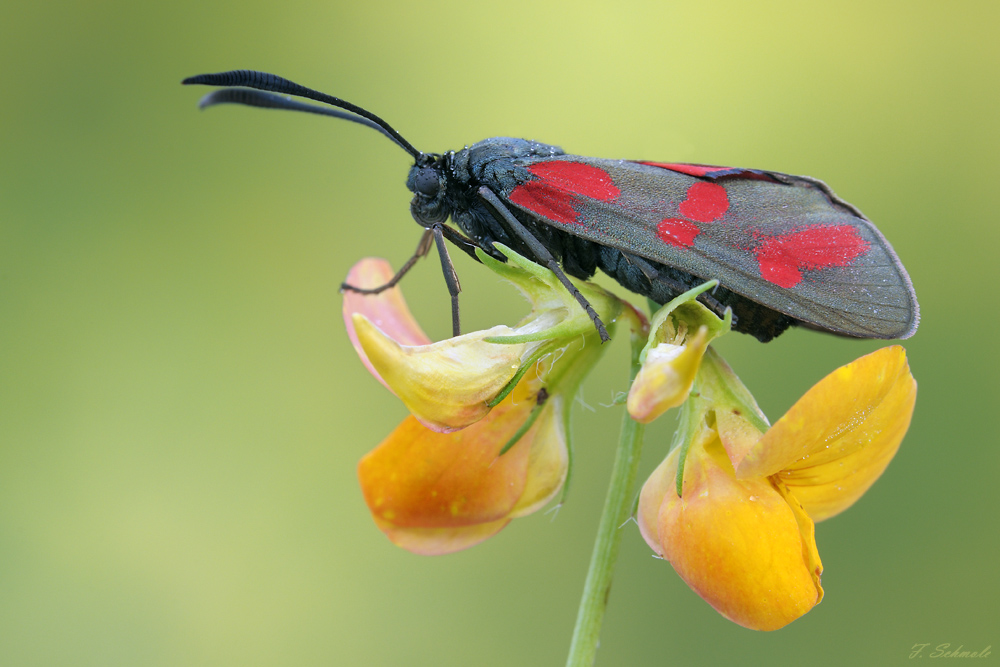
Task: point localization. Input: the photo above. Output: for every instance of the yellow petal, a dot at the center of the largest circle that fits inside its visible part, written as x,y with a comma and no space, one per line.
807,529
446,385
738,543
387,310
839,437
548,462
666,376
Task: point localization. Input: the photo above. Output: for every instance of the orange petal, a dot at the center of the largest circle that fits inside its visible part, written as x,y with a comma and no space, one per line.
433,492
738,543
387,310
833,444
439,541
656,488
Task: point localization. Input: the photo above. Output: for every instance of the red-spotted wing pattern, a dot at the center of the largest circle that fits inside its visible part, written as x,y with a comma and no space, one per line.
784,241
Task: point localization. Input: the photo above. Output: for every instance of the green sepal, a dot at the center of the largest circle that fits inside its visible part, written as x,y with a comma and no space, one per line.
687,310
721,386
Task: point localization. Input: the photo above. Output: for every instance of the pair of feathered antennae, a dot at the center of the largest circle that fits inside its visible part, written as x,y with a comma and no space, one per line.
262,81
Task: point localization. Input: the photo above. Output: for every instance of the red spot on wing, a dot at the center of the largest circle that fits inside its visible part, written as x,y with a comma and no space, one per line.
782,259
552,194
689,169
677,232
546,201
583,179
710,171
705,202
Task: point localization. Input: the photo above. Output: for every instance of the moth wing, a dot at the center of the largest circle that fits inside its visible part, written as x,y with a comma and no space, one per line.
786,242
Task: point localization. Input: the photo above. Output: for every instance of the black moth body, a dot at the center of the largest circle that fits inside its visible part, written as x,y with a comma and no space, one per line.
784,248
499,164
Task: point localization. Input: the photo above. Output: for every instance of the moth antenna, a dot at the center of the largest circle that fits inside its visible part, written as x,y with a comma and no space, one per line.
263,100
269,82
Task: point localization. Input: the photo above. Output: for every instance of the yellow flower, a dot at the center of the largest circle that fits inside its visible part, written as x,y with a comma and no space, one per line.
486,441
741,531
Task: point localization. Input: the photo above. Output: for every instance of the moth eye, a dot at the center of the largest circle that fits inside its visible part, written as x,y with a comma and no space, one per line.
426,182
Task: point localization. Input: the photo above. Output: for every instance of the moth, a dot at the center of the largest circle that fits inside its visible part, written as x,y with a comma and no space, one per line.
785,249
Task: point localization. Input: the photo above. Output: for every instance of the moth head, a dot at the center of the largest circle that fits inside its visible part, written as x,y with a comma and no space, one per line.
429,185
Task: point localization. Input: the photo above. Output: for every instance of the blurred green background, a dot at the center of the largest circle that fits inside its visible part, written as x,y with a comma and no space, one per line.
181,412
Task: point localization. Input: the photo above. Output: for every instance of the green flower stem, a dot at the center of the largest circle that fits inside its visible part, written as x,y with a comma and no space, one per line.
617,509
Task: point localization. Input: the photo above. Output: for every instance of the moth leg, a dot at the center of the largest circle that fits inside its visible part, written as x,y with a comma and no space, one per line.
423,247
450,278
645,267
467,245
544,256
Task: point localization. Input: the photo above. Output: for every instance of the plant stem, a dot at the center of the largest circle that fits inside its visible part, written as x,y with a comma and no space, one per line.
617,509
